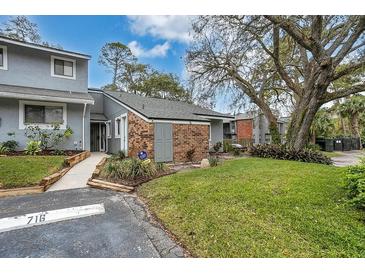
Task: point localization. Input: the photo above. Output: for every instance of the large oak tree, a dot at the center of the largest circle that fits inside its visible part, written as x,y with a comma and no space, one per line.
261,56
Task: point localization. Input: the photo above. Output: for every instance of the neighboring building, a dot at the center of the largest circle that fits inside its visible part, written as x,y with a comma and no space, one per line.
41,85
252,127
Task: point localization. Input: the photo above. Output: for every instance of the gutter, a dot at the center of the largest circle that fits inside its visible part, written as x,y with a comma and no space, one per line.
14,95
83,126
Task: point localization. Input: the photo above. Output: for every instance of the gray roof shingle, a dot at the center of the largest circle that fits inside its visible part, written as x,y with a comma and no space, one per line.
155,108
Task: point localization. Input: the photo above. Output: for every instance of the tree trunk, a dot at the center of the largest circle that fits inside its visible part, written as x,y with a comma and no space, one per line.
355,128
301,121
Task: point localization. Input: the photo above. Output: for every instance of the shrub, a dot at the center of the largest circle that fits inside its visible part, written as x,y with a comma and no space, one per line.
161,167
120,155
11,145
213,161
49,138
217,146
227,146
130,169
3,149
355,184
33,147
236,151
313,147
59,152
282,153
190,154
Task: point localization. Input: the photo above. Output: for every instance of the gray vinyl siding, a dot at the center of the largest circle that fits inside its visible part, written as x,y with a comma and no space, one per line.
32,68
9,115
111,111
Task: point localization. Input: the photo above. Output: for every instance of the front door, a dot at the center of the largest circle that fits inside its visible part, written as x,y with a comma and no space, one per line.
97,137
94,137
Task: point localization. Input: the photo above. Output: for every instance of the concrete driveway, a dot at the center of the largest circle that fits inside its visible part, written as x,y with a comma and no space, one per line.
348,158
124,230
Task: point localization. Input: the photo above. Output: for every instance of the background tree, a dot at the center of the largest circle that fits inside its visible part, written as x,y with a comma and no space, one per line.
164,85
115,56
21,28
352,109
323,124
308,53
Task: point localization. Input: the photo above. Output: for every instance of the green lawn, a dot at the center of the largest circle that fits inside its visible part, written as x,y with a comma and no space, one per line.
27,170
333,153
259,208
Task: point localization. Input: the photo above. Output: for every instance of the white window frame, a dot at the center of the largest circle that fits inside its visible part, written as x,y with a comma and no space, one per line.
73,61
108,129
5,58
116,135
22,104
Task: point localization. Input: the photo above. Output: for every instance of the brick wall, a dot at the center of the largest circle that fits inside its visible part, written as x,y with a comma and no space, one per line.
186,137
140,136
244,129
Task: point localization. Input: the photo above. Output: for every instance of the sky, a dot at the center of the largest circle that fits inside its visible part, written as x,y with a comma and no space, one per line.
160,41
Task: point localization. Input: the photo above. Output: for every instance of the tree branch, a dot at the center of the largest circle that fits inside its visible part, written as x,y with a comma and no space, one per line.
292,30
330,96
348,69
346,48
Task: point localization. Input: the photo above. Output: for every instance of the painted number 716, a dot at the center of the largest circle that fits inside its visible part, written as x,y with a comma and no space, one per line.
39,218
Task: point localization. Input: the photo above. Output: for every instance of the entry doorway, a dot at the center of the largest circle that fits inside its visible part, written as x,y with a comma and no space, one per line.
98,137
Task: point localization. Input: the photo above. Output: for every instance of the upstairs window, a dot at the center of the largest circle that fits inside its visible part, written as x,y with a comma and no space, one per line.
63,67
3,58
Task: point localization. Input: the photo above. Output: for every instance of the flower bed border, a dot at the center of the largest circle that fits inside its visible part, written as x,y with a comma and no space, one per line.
47,181
95,182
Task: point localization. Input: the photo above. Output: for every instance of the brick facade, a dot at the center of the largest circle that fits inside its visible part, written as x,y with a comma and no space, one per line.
244,129
140,136
186,137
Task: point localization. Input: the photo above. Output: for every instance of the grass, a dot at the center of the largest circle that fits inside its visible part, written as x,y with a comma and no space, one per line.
259,208
332,154
22,171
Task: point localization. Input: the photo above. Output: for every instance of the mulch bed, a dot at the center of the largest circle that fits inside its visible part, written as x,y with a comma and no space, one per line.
139,180
45,153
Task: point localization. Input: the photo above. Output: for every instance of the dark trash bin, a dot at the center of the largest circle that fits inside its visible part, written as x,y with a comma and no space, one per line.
355,143
346,144
337,144
321,142
328,142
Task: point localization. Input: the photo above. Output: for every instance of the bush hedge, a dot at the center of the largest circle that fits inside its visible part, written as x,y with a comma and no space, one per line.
283,153
355,183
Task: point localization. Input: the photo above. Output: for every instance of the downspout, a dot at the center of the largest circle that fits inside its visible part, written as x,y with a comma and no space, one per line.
83,126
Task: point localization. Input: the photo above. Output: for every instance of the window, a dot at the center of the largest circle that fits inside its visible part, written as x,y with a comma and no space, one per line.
43,114
63,67
117,127
108,129
3,58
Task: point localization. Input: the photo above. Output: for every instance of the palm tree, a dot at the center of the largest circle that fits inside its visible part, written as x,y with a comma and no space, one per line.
352,108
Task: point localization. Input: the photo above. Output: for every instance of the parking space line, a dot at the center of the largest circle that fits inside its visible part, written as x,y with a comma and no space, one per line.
51,216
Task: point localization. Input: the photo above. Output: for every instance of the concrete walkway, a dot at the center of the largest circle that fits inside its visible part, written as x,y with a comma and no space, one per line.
348,158
78,175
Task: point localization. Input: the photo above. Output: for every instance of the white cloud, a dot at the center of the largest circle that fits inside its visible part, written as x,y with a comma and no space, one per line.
168,27
159,50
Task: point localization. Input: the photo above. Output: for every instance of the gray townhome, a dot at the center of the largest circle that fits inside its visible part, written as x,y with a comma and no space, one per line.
42,85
